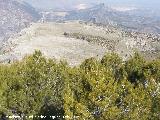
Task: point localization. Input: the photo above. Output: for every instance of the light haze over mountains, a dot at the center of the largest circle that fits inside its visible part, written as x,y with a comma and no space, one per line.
71,4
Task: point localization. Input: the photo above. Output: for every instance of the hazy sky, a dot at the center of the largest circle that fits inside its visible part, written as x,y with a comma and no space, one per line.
65,4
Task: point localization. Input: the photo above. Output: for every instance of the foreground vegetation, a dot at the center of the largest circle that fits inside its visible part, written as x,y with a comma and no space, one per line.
109,89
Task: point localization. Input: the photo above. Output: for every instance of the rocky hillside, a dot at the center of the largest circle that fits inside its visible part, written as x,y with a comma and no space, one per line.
15,16
130,19
50,39
75,41
141,20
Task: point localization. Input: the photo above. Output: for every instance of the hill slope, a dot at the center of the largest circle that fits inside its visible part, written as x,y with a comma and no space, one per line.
50,39
15,16
75,41
141,20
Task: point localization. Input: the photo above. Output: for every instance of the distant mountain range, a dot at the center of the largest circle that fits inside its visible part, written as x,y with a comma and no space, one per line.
14,16
121,28
130,18
135,19
17,14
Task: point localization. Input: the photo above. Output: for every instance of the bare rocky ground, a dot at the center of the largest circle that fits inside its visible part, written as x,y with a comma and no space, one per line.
49,38
75,41
15,16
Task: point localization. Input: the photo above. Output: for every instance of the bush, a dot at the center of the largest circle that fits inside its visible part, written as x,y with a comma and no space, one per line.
109,89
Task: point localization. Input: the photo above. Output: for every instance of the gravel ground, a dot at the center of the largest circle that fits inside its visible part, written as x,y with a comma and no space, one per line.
49,39
72,50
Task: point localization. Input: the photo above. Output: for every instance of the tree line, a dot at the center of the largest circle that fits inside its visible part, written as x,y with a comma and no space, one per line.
106,89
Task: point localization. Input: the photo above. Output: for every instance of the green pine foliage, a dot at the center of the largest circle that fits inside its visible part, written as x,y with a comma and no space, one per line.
106,89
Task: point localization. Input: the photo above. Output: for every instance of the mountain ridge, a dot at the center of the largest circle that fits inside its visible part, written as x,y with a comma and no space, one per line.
14,17
76,40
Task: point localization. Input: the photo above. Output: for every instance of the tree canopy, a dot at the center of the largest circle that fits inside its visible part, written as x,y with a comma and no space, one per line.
107,89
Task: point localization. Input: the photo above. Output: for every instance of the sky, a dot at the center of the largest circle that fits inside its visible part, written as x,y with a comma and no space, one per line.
70,4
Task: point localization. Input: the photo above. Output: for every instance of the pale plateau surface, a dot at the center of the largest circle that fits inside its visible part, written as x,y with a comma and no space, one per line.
75,41
49,38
